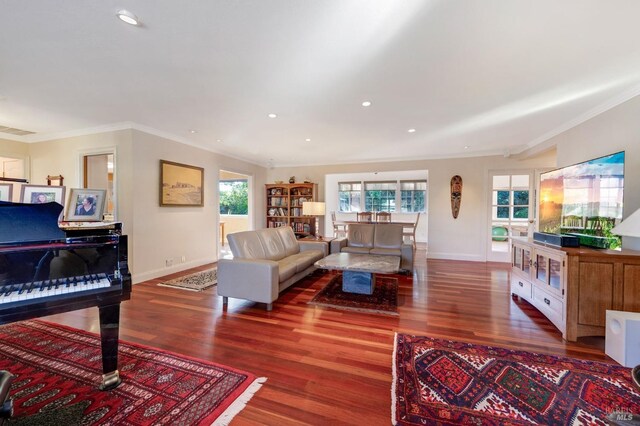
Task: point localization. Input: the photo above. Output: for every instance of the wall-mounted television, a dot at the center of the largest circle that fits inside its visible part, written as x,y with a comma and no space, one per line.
584,200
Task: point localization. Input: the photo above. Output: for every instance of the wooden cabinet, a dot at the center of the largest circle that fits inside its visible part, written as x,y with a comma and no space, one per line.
574,287
284,206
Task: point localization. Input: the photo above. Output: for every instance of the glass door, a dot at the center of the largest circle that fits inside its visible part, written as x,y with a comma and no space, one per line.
511,211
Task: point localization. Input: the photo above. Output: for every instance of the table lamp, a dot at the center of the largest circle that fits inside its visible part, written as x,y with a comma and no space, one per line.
314,208
630,227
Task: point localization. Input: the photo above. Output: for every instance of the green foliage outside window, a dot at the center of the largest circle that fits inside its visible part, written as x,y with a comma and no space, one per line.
234,197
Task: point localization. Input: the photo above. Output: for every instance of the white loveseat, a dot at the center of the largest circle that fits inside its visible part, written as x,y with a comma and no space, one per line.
265,262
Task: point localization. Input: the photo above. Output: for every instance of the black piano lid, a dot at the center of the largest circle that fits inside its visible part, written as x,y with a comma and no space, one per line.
23,223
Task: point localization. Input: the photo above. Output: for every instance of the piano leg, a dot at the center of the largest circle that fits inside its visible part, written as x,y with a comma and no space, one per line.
109,326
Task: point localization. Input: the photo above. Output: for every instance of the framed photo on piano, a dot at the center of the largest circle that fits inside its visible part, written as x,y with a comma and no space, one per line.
85,205
37,194
6,191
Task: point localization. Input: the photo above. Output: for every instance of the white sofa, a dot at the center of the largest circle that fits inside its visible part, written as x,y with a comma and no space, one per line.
265,262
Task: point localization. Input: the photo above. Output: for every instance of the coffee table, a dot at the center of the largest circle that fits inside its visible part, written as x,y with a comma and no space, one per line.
358,270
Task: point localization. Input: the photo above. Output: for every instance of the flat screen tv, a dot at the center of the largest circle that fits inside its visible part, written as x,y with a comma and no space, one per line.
585,200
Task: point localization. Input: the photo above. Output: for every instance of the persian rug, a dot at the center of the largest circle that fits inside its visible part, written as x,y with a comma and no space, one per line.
445,382
58,370
197,281
384,299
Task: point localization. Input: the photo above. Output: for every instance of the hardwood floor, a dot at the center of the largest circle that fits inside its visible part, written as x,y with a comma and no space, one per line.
326,366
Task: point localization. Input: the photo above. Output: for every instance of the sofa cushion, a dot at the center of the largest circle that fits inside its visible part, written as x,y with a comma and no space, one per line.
360,235
361,250
289,240
246,245
305,259
388,236
287,268
272,244
386,251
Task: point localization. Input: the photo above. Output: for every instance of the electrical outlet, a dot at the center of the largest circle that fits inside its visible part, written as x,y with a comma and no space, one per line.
169,262
183,259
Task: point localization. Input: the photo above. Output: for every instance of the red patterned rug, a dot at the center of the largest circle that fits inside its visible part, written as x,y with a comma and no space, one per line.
384,299
443,382
58,368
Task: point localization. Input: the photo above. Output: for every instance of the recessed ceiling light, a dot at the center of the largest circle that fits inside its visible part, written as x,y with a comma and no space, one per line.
308,140
466,147
272,115
127,17
218,140
366,103
192,131
411,130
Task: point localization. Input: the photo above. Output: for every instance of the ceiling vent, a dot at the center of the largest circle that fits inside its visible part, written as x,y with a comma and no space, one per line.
14,131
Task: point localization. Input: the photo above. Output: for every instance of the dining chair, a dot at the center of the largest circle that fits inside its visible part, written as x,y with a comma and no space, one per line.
411,233
339,229
364,216
383,217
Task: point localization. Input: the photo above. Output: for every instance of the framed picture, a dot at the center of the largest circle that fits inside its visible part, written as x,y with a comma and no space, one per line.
36,194
181,184
85,205
6,191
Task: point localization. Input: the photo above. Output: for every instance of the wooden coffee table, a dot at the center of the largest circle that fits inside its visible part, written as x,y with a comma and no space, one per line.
358,270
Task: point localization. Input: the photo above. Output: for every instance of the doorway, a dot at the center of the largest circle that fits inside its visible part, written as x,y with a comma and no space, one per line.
98,173
234,207
510,211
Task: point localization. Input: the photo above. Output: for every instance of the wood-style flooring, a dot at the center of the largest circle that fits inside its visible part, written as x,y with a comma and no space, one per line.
326,366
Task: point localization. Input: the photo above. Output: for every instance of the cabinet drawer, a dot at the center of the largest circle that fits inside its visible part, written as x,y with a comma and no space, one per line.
550,306
521,287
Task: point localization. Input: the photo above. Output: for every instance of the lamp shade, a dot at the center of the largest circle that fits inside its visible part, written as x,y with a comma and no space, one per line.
313,208
630,227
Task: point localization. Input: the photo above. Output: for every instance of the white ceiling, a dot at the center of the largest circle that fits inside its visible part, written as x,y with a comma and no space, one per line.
497,76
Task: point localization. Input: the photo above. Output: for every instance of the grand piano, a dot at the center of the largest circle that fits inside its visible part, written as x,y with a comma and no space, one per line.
47,270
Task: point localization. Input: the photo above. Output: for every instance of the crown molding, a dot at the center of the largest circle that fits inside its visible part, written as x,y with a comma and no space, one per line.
600,109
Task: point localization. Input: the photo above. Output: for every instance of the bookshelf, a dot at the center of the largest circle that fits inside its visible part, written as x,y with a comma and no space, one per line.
284,206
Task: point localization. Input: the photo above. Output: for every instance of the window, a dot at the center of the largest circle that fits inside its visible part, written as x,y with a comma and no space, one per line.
510,198
412,195
349,196
380,196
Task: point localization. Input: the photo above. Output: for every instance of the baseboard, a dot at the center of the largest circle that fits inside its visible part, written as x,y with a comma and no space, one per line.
149,275
455,256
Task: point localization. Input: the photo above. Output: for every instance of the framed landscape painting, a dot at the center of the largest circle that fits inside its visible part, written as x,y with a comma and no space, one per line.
37,194
181,184
6,191
85,205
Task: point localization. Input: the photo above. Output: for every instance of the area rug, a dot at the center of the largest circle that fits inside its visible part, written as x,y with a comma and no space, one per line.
444,382
58,369
384,299
197,281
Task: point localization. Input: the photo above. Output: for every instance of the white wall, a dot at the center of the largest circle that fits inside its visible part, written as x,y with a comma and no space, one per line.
612,131
155,234
464,238
331,198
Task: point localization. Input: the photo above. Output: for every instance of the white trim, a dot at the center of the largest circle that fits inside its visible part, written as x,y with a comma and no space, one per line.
125,125
239,403
161,272
455,256
593,112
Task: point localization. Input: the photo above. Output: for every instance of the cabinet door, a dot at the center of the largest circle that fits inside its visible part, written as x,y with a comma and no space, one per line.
526,260
549,271
521,259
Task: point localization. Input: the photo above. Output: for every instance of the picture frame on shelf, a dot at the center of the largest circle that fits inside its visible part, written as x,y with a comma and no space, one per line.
181,185
6,192
38,194
85,205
